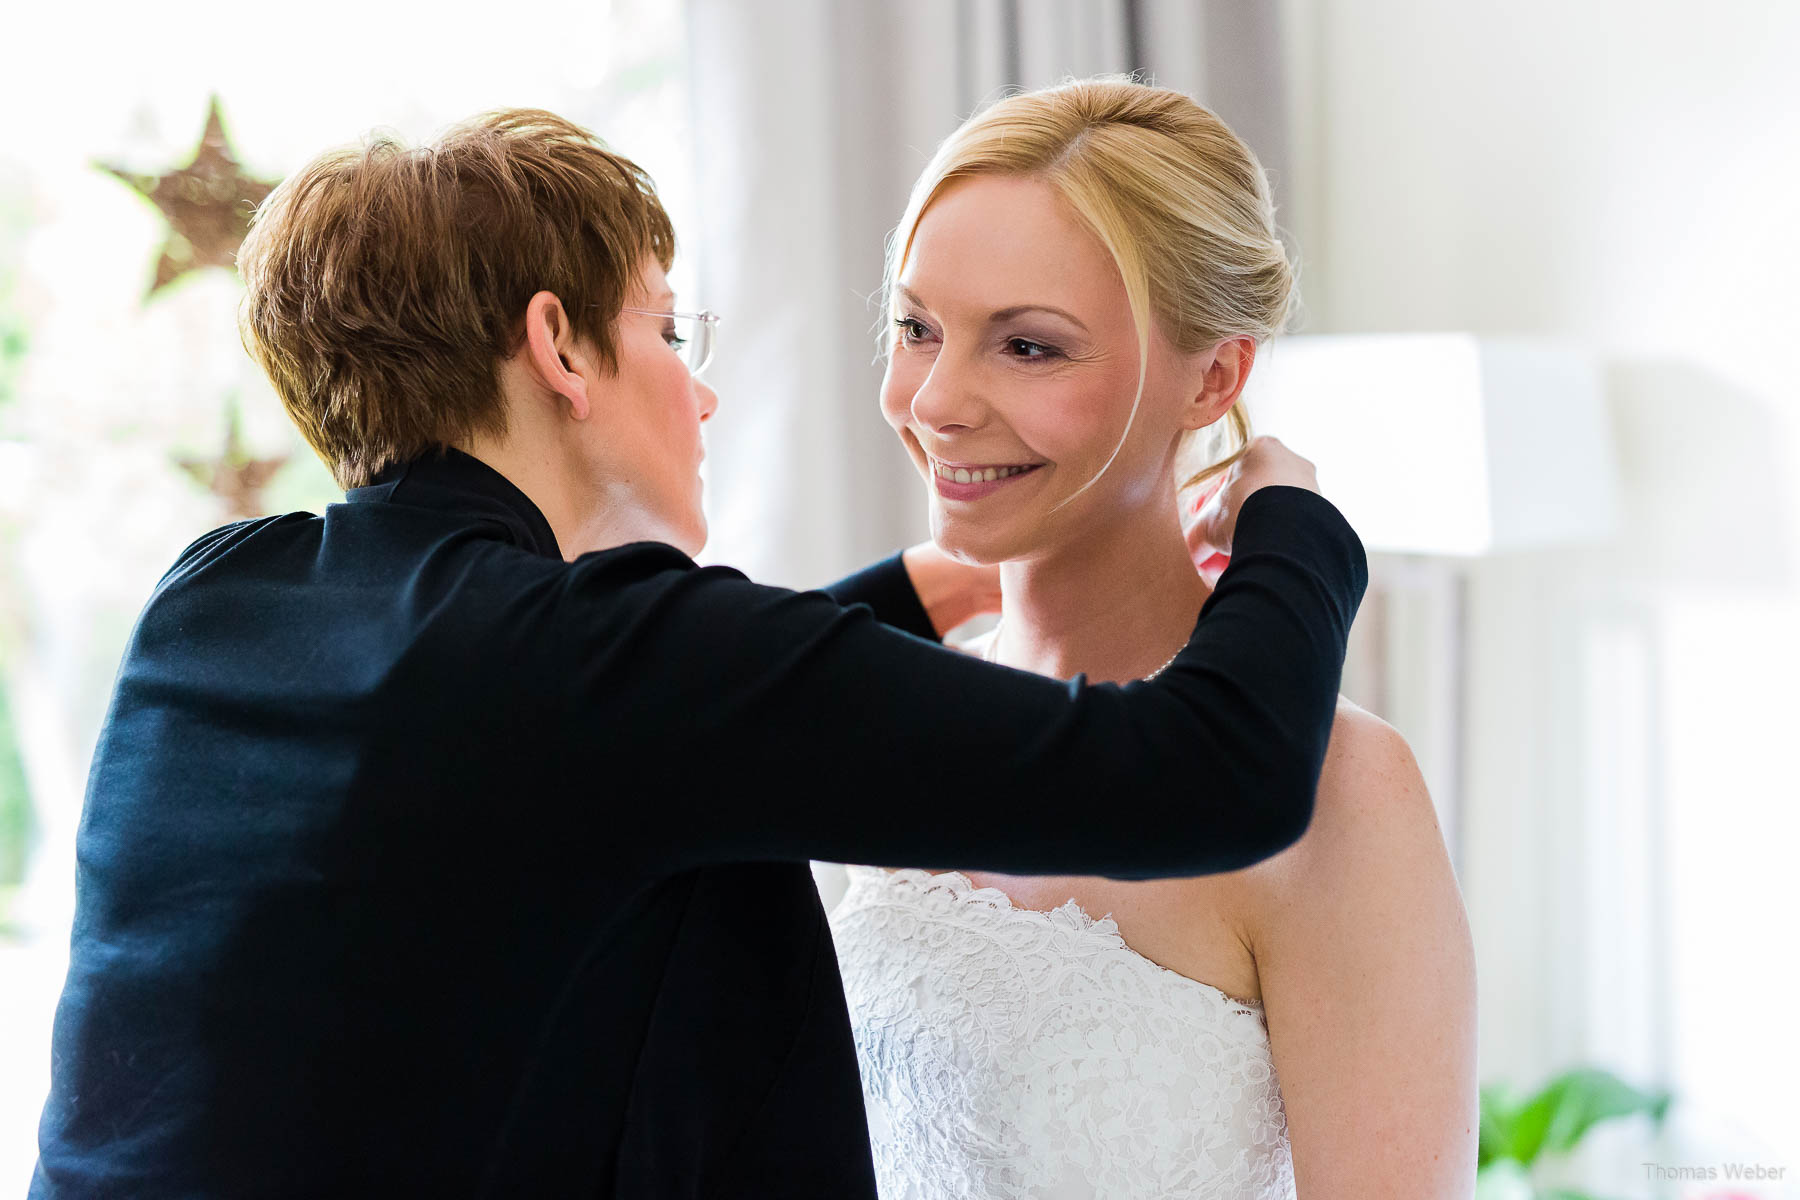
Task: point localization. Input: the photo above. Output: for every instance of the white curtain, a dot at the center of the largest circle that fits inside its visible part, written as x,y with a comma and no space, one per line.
811,119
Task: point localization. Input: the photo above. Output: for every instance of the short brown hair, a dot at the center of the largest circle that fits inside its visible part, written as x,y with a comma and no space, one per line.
386,283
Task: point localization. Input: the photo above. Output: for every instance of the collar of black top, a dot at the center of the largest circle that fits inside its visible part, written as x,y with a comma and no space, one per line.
456,482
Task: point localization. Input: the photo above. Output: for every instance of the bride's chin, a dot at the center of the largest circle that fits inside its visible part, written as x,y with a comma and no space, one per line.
978,548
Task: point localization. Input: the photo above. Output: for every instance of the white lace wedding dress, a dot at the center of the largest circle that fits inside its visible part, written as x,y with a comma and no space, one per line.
1010,1053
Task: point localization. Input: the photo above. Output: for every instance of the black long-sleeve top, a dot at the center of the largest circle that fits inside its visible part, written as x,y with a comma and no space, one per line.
416,860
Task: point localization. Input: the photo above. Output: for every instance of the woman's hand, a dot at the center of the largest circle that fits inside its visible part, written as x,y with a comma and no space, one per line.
952,592
1266,463
1210,563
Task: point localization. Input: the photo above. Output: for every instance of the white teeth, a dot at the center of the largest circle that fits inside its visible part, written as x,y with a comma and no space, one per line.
983,475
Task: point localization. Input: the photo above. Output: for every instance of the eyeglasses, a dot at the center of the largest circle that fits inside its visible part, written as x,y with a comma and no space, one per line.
696,348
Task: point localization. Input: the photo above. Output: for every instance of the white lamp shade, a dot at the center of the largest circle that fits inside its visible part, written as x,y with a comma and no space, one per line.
1445,443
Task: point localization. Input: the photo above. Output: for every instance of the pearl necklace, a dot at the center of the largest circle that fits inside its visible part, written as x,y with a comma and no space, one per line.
987,654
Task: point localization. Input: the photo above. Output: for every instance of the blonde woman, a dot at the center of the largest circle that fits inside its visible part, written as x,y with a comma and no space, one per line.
1078,290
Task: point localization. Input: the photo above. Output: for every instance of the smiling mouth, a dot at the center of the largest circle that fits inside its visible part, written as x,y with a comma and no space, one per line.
969,473
960,482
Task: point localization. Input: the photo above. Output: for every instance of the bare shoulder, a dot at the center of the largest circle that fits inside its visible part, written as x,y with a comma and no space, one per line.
1372,810
1368,762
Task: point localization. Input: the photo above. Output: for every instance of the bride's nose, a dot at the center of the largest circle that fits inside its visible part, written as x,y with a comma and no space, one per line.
945,401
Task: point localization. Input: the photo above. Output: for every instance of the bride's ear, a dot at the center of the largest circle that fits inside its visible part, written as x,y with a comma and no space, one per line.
1222,372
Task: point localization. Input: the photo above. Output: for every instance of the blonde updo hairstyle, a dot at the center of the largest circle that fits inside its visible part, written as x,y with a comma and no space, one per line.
1174,195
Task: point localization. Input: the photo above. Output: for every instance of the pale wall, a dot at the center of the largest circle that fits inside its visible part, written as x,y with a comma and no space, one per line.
1625,175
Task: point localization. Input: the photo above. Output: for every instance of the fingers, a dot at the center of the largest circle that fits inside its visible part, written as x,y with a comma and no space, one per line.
1266,462
1209,532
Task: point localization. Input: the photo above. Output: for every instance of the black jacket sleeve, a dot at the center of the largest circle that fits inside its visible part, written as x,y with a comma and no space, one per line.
888,591
792,728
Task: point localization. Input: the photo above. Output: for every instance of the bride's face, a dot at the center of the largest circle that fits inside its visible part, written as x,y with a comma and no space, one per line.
1013,367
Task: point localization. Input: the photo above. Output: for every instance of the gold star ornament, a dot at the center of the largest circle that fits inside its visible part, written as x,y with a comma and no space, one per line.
208,204
233,475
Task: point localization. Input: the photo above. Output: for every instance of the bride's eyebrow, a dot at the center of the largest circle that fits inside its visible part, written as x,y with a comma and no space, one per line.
1004,314
1019,310
911,296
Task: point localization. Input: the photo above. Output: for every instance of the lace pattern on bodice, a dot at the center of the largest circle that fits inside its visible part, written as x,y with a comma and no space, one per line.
1010,1053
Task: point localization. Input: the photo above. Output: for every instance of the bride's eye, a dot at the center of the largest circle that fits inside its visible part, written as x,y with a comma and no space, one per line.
674,339
1030,351
911,330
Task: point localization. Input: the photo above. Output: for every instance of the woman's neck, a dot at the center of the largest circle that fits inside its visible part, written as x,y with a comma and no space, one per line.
584,511
1114,604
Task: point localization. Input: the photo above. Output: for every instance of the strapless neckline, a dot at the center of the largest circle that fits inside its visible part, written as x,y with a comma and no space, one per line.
1013,1053
1069,916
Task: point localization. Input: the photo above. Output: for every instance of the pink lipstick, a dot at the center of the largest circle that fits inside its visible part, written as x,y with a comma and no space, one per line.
977,485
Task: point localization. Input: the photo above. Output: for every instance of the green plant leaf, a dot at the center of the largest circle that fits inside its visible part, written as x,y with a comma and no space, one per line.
1498,1116
1559,1116
1530,1125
